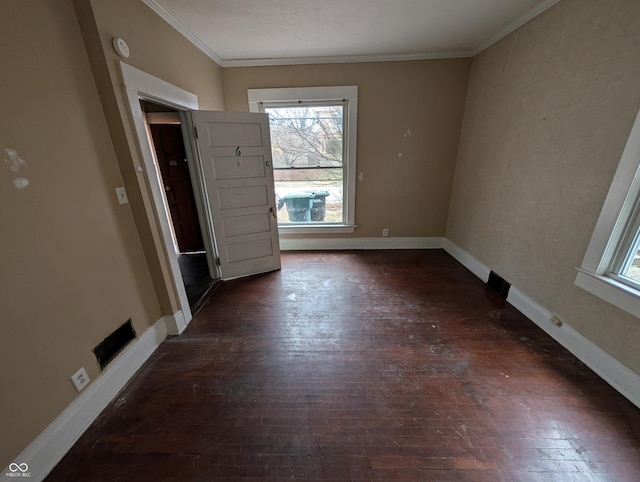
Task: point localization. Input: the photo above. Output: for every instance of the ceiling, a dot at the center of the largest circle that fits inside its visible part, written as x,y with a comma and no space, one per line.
281,32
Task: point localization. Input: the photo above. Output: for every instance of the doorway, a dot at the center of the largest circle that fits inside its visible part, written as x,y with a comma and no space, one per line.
236,241
168,148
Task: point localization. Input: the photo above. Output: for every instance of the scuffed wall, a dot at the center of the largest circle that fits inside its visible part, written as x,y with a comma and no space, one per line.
409,117
75,264
548,113
72,265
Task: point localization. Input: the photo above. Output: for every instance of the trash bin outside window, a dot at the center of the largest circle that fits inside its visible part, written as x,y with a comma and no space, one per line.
318,206
299,206
306,206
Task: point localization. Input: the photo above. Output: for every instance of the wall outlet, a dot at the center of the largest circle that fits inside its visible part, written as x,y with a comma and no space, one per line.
80,379
556,321
385,232
122,195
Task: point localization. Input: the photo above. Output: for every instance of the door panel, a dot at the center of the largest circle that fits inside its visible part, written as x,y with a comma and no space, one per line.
242,197
235,134
235,152
235,167
259,248
235,226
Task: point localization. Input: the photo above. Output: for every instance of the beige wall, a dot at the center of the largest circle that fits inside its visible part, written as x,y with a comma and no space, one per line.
548,112
161,51
409,195
73,267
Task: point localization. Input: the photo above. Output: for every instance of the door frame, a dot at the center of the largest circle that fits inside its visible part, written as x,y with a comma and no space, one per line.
139,85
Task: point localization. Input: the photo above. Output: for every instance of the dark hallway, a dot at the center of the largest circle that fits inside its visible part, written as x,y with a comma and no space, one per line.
195,274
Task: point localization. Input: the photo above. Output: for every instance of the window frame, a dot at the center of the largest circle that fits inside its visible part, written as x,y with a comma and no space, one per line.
612,239
260,98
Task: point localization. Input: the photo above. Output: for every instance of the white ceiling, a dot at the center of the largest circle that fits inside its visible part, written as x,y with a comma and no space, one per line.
280,32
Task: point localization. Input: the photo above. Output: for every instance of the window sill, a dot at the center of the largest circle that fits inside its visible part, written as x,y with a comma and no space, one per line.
316,228
618,294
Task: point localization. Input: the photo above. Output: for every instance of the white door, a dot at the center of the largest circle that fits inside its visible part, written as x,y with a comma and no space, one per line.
235,152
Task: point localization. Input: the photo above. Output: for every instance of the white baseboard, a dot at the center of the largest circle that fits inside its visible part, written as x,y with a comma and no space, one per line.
466,260
611,370
42,455
177,323
616,374
52,444
324,244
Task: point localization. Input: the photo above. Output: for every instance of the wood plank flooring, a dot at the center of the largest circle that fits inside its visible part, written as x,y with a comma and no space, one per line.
363,365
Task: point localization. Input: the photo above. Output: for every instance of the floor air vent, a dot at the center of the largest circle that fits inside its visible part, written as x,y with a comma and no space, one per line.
499,284
114,343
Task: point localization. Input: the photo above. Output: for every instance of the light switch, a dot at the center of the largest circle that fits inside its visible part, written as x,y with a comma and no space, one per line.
122,195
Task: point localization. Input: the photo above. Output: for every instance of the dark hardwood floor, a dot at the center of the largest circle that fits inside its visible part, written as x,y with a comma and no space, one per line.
365,365
195,275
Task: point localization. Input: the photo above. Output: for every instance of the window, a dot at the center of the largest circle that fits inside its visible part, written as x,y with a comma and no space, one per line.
313,140
626,261
611,266
307,145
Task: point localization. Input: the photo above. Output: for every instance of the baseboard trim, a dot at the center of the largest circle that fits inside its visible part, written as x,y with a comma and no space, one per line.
328,244
466,260
176,324
54,442
615,373
610,369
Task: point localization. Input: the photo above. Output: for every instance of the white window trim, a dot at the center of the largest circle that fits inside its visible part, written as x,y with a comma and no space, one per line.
350,93
616,211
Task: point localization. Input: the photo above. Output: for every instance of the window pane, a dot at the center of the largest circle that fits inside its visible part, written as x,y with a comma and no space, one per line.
633,271
631,264
309,195
306,136
307,148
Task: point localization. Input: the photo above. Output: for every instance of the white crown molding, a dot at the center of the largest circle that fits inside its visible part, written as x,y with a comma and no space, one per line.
193,38
344,59
517,23
188,34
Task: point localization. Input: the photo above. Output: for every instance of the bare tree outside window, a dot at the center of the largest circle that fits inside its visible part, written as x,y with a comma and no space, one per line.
308,158
309,136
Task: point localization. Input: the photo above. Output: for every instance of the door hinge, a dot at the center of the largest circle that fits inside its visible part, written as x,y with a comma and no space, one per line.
218,260
195,132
